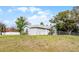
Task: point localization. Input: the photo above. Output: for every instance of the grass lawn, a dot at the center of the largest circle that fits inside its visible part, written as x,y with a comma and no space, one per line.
39,43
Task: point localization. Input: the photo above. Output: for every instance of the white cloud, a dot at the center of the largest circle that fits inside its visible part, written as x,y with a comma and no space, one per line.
1,10
45,12
36,19
40,16
33,17
41,12
10,10
6,22
9,23
23,9
34,9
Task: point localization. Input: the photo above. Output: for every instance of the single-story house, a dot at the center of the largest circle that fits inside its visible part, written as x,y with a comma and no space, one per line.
10,31
37,30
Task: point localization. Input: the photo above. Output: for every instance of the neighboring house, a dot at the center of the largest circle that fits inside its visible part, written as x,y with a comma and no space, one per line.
10,31
38,30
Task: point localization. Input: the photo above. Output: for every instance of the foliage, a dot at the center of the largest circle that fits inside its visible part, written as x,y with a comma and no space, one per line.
76,13
41,23
65,21
21,23
2,28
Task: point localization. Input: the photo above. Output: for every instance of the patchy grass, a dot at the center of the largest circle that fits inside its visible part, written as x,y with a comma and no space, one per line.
39,43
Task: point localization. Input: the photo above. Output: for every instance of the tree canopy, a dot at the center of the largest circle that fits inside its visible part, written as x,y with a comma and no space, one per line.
41,23
65,21
2,28
21,23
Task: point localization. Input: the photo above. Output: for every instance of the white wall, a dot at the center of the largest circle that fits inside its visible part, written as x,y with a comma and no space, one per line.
37,31
11,33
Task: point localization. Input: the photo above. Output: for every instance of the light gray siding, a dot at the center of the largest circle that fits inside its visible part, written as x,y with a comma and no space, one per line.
37,31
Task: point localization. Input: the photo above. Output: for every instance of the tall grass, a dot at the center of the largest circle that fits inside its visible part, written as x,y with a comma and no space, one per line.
39,43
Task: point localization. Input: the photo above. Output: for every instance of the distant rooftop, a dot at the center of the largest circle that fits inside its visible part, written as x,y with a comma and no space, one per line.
40,26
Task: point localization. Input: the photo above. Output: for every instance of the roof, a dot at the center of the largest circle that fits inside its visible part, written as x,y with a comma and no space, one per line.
10,30
39,26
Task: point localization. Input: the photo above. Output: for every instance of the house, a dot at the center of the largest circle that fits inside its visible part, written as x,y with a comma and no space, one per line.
37,30
10,31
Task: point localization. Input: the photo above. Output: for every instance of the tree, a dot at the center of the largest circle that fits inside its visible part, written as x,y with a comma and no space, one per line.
21,23
75,10
2,28
41,23
76,13
65,21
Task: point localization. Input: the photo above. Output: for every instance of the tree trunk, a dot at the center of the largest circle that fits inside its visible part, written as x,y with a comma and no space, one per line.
1,33
1,30
20,31
69,32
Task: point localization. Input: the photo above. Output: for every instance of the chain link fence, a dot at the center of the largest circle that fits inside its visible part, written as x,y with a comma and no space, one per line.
66,33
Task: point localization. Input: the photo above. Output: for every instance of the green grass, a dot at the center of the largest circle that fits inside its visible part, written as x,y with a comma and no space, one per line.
43,43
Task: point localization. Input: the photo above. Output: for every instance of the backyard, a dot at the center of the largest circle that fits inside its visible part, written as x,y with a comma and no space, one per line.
42,43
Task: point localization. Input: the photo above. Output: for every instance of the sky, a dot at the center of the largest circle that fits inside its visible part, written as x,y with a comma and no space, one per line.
33,14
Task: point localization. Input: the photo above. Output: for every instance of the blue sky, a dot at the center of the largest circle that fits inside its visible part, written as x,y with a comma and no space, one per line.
34,14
